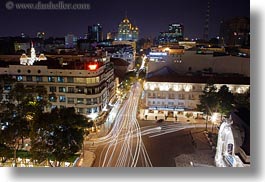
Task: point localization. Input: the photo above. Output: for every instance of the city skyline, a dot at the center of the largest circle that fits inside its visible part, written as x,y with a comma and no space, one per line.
150,17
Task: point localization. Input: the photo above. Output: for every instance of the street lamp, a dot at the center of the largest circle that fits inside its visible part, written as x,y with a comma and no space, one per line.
213,119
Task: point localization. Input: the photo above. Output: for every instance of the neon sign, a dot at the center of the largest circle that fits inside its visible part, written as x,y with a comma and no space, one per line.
92,66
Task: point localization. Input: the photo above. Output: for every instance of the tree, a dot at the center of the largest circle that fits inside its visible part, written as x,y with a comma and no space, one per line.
225,100
18,113
242,100
208,100
58,135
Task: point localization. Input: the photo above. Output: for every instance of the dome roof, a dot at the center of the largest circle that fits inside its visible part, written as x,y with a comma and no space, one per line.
125,20
42,57
24,56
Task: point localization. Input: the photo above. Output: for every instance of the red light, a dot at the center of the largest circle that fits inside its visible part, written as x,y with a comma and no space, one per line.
93,67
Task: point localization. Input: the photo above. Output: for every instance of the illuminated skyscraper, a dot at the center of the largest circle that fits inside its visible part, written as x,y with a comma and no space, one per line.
127,31
173,35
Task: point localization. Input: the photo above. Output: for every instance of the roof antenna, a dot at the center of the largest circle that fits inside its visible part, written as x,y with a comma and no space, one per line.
126,14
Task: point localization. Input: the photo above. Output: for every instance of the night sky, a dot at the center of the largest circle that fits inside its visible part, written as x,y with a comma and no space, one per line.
150,16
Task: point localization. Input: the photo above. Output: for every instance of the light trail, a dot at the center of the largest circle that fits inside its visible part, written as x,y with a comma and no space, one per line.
123,145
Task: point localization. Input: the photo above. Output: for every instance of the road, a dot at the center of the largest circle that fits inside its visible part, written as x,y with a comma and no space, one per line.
123,145
151,145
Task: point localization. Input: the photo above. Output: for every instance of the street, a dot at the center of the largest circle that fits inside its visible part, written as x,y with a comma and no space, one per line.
133,143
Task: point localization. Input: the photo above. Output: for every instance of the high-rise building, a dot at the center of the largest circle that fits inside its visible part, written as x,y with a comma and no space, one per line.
173,35
85,83
95,33
70,41
41,35
127,31
235,31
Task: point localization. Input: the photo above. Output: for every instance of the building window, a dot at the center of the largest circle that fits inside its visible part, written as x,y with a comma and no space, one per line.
39,98
80,110
71,90
39,78
7,87
51,79
62,89
154,102
89,110
29,78
52,89
60,79
70,100
80,90
19,78
70,79
171,103
62,98
88,101
52,98
80,101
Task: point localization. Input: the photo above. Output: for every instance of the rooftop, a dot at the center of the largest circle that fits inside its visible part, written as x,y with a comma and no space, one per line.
166,74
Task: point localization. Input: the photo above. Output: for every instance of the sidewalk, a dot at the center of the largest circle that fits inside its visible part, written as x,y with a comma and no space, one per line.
88,159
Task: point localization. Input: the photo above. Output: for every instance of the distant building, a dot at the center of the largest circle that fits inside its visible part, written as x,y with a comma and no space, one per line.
22,46
95,33
183,62
174,34
127,31
70,41
235,32
52,44
112,35
41,35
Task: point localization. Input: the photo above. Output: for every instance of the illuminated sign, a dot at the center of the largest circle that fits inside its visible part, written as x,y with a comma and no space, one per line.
92,66
158,54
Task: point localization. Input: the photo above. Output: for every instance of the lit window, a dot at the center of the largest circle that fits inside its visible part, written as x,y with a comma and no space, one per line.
80,100
62,89
51,79
19,78
62,98
52,98
60,79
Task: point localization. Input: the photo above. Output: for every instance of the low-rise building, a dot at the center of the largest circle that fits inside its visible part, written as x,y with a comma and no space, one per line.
168,93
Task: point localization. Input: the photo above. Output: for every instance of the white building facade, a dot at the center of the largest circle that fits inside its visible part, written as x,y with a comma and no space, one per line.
171,98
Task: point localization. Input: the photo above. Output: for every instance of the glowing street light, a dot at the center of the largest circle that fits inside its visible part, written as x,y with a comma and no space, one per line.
213,119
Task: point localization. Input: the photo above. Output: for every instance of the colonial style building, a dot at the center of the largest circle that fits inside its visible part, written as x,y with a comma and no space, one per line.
168,93
86,84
